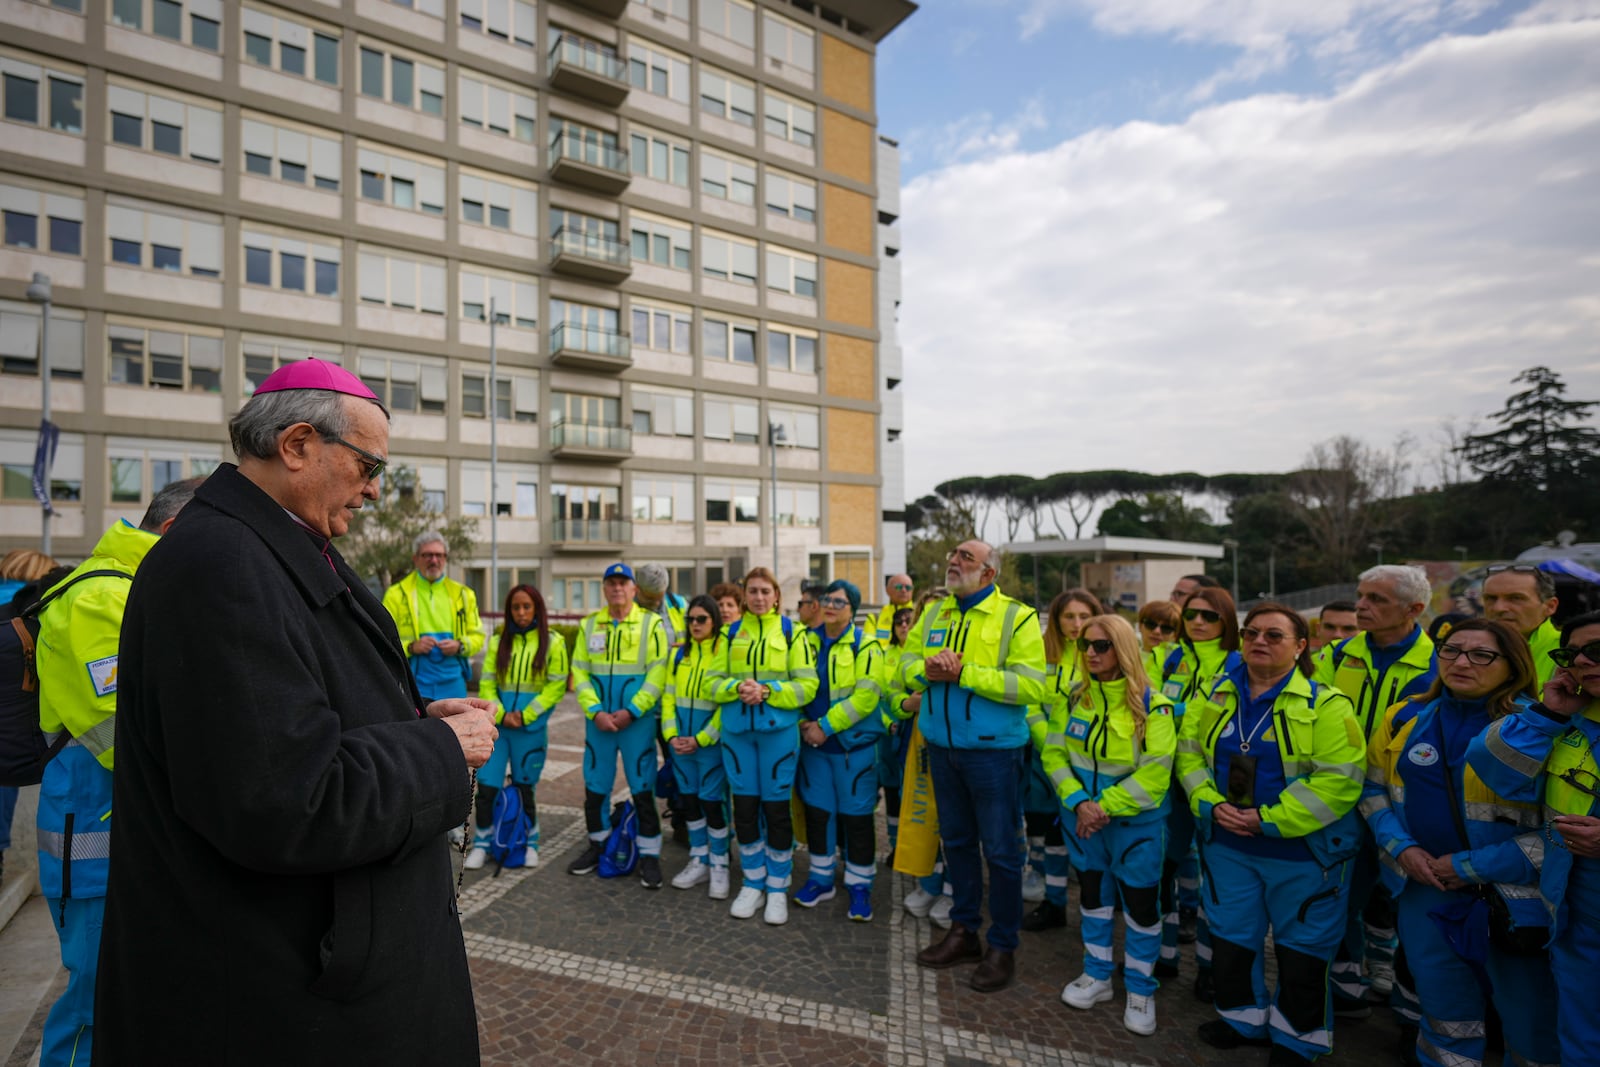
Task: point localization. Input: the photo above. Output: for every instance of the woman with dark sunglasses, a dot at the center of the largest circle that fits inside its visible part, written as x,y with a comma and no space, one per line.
1272,764
1158,634
1446,841
1547,753
691,724
1109,756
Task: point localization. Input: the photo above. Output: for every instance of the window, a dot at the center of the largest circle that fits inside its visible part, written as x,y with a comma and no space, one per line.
581,409
728,97
658,71
659,241
402,283
157,240
663,498
792,350
497,109
516,303
586,512
405,82
401,181
730,502
732,19
799,425
798,505
790,119
516,490
578,596
570,140
432,480
663,413
164,357
663,329
586,328
141,468
296,156
655,155
61,107
787,43
20,334
597,238
44,221
16,466
176,128
499,204
514,22
516,397
202,29
727,419
263,355
291,262
291,46
791,272
735,341
728,257
794,198
727,177
404,382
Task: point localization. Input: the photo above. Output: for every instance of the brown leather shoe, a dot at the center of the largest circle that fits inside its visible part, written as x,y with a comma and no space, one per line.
959,945
995,972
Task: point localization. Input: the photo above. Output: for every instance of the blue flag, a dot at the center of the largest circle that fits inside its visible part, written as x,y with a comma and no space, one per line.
44,457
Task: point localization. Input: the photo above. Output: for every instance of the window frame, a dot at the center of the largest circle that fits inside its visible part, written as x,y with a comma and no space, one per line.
654,229
310,245
784,263
118,92
187,356
677,317
723,265
517,100
427,280
642,163
312,32
422,72
521,287
736,171
726,101
787,108
792,336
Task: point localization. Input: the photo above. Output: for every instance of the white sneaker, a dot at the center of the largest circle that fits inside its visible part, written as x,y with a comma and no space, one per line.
1032,885
1085,992
1140,1014
939,914
719,883
747,903
1382,977
919,902
777,912
692,875
475,859
530,858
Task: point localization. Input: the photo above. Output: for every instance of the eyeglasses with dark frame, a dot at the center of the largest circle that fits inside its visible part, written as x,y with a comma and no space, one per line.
698,617
1099,646
374,465
1248,634
1478,657
1587,783
1566,657
1191,614
835,602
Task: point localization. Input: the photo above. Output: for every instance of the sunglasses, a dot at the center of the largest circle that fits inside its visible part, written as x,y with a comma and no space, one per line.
1478,657
698,618
834,602
1581,780
901,588
1159,627
373,465
1099,647
1271,637
1514,568
1191,614
1566,657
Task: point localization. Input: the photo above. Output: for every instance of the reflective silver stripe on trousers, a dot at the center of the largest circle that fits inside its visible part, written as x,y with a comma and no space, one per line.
89,846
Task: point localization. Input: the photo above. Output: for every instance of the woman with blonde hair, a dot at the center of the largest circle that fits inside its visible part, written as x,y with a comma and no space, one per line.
17,568
1109,755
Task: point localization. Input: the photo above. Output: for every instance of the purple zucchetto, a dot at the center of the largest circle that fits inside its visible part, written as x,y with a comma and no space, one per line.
315,374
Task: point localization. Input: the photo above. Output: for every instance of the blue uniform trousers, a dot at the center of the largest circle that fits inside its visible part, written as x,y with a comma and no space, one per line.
1047,852
441,690
636,743
762,764
977,791
1305,907
1130,855
69,1029
1180,886
1452,993
839,783
1369,934
523,752
1575,960
700,774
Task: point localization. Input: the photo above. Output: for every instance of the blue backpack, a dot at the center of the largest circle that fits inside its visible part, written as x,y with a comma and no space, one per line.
508,829
621,854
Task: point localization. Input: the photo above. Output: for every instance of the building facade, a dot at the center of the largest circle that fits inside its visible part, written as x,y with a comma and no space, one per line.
674,212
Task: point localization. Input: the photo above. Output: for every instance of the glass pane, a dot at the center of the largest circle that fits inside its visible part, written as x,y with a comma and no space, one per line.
293,271
371,72
327,278
127,359
126,480
255,163
292,172
371,185
166,138
327,59
777,350
167,19
125,129
402,75
127,252
128,13
292,58
165,257
66,236
66,106
805,355
258,266
405,193
22,231
744,346
205,33
258,49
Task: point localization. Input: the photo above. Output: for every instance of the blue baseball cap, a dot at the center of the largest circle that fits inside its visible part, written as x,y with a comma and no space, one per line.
619,570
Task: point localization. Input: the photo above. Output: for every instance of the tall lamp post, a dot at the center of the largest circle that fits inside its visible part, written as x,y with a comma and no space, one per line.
775,437
1233,547
40,292
494,463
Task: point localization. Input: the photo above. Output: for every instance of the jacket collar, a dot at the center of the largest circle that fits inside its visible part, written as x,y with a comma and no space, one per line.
234,495
125,543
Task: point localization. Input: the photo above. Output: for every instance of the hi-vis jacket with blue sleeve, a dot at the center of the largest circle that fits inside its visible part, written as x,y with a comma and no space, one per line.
1535,756
1060,680
1002,672
776,654
1506,846
520,690
620,664
855,690
1092,751
400,600
1350,669
1324,761
1191,668
689,707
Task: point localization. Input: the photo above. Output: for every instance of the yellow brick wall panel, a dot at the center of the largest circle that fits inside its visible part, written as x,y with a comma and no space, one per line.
847,219
846,73
846,146
852,515
848,293
850,367
852,441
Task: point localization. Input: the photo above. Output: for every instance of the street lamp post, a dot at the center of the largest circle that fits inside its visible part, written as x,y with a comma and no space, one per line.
1377,546
40,292
493,402
1233,546
775,437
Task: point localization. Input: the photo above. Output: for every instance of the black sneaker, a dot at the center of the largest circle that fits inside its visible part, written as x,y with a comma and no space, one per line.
1046,916
1219,1033
650,872
589,861
1188,926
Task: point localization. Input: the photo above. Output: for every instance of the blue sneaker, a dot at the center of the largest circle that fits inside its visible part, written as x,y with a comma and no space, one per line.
813,893
860,903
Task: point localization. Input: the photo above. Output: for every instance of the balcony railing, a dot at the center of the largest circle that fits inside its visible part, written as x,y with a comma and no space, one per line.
597,533
579,65
589,255
590,437
583,158
590,346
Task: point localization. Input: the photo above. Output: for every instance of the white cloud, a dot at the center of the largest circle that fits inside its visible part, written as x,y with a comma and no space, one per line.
1559,11
1218,294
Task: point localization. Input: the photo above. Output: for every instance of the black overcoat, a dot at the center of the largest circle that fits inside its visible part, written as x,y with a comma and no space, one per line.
281,889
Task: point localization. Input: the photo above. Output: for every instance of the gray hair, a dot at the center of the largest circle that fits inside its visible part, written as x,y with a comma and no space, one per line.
428,537
173,498
651,577
1410,583
254,431
997,558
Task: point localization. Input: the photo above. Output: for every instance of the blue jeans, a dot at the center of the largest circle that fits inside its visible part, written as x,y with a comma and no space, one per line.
978,793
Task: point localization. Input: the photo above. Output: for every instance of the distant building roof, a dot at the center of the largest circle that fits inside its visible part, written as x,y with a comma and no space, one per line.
873,19
1126,547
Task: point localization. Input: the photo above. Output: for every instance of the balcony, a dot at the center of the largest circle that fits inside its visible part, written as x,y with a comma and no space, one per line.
581,156
609,8
591,535
583,440
590,348
588,255
585,68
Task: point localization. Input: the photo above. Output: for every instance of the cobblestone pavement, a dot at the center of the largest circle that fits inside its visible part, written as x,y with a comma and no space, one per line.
591,971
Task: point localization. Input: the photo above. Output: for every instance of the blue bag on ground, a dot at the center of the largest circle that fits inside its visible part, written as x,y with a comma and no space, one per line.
622,845
508,829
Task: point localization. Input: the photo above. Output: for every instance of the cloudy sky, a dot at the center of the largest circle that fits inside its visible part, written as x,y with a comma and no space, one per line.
1204,234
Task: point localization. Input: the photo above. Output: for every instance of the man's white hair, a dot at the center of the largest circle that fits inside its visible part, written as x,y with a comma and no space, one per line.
1410,583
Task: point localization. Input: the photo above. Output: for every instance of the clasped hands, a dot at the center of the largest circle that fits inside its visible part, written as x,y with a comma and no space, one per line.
610,722
1422,866
473,722
943,666
423,645
1246,822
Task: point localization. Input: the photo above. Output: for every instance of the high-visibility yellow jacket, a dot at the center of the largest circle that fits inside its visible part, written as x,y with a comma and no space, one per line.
1349,668
853,670
535,696
400,601
777,653
1092,751
688,706
620,664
